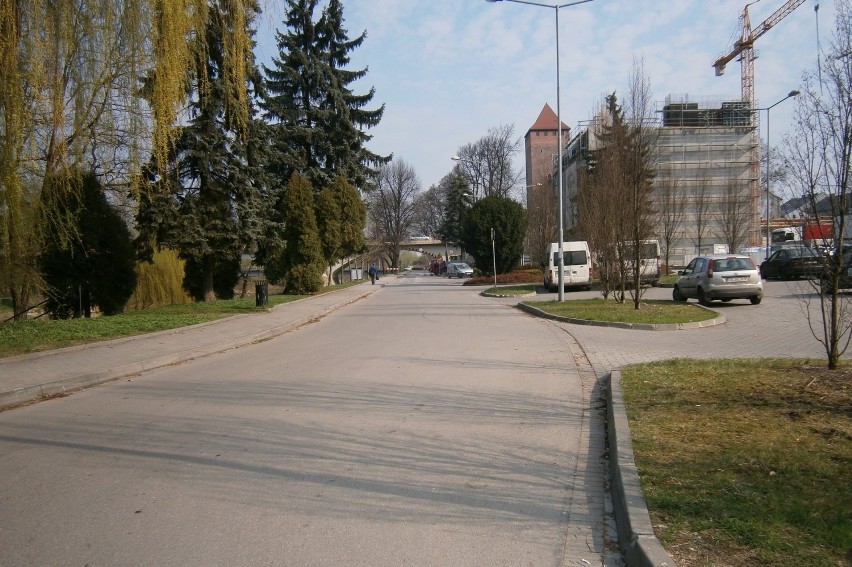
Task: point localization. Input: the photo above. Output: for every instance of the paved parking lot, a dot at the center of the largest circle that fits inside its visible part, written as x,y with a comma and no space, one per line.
777,327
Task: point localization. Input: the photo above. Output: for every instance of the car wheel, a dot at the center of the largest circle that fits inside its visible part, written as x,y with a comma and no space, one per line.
677,295
755,299
702,298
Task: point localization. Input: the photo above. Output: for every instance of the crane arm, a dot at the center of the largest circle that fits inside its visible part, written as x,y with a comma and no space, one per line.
749,37
776,17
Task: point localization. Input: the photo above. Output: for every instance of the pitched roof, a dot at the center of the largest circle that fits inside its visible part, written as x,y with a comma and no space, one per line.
547,120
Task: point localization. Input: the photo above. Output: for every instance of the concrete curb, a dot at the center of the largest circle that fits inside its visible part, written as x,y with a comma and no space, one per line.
67,385
639,545
719,320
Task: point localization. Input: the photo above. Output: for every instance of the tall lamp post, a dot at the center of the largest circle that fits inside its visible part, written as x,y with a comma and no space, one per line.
556,8
791,94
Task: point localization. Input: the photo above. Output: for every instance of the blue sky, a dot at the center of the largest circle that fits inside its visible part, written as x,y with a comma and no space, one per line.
448,70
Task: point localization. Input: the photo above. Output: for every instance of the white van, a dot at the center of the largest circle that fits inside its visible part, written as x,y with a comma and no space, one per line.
649,262
577,265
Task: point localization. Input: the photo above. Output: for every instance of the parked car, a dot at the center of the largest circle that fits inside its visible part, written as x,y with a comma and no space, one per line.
845,277
719,276
459,270
793,262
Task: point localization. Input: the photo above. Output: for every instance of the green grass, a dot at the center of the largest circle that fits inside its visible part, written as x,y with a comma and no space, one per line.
745,462
669,279
650,311
522,289
21,337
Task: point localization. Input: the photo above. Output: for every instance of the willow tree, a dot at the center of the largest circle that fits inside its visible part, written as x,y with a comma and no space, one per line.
69,75
211,201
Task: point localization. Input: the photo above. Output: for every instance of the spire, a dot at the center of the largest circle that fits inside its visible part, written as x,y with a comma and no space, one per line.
547,120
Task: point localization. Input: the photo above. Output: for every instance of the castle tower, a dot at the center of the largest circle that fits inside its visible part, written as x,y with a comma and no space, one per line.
540,148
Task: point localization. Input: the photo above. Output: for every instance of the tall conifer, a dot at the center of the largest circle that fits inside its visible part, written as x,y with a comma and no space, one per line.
318,122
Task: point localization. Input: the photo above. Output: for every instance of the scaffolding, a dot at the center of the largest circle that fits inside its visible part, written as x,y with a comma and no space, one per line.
709,151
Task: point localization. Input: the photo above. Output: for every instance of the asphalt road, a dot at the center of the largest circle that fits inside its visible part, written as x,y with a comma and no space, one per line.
423,425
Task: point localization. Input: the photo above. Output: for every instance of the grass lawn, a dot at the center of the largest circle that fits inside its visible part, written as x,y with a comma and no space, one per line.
522,289
745,462
651,311
20,337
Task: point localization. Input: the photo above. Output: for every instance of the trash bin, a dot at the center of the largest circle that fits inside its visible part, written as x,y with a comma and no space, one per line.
261,293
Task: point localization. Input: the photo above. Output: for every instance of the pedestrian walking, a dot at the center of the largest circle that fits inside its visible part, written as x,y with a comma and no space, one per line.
374,273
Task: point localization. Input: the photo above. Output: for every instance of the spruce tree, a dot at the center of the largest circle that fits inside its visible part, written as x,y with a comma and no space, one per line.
318,122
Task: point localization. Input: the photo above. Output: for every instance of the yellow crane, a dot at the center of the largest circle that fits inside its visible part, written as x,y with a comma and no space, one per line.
744,47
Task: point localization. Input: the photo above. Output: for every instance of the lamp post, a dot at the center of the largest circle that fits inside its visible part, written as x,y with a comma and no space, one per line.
494,257
556,8
791,94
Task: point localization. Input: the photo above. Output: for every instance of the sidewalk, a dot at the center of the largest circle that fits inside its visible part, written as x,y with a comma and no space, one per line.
31,377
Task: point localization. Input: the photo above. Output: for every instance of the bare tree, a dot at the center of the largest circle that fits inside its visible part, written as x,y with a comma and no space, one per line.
819,155
429,210
642,157
671,213
701,206
393,207
734,214
487,163
541,222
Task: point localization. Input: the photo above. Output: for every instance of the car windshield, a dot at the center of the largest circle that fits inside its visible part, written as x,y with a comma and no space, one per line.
462,266
732,264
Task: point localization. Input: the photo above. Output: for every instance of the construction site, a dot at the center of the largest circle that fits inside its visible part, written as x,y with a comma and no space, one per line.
707,162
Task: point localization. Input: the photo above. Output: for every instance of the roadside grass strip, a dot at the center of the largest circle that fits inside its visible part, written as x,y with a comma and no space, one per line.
21,337
745,462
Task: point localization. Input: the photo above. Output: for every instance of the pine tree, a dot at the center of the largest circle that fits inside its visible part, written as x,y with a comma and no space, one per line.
318,122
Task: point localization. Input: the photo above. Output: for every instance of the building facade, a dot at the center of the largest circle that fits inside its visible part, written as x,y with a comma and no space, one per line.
706,161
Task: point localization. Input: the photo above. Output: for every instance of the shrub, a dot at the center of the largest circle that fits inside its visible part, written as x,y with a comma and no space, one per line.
159,282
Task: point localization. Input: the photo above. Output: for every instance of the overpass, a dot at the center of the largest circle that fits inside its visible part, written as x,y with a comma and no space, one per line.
432,247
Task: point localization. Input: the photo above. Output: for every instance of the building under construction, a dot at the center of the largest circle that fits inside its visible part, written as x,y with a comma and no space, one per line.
706,181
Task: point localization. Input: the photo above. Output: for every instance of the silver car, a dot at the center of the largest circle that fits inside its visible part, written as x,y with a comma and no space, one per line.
459,270
719,276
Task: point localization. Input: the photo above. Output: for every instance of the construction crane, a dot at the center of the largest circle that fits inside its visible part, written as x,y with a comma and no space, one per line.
744,47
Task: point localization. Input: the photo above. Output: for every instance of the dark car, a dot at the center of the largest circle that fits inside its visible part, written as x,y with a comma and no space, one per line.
789,263
844,280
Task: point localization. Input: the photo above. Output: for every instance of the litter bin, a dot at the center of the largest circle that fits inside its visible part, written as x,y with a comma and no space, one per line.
261,293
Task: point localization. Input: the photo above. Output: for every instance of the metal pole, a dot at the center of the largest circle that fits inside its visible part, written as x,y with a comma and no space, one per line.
494,257
768,229
561,295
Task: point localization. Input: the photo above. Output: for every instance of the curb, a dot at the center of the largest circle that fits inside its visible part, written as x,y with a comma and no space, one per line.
64,386
639,546
719,320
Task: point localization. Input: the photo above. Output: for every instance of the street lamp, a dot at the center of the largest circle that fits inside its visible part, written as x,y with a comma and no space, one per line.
792,93
556,8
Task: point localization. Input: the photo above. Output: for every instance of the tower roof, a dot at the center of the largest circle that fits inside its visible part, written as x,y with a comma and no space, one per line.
547,120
